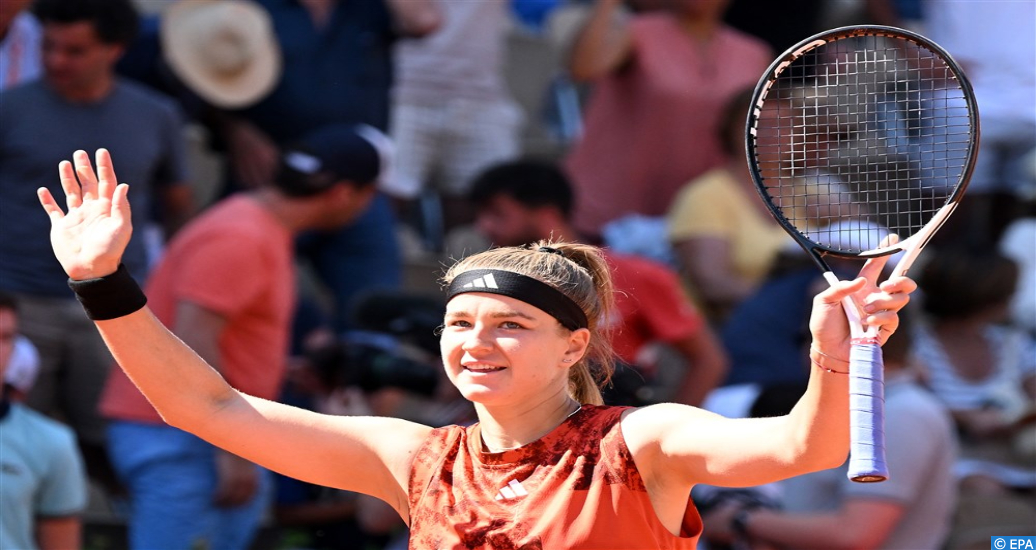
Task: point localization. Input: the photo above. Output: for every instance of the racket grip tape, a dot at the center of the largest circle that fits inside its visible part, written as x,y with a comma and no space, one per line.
866,412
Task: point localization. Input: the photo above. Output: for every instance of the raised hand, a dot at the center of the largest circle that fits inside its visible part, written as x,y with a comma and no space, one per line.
90,238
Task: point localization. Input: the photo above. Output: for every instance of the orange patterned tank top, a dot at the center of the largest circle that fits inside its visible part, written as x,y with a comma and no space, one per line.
577,488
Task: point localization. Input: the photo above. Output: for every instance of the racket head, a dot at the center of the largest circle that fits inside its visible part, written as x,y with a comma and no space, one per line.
864,130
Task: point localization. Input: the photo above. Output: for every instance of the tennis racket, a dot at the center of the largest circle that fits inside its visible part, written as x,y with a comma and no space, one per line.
853,134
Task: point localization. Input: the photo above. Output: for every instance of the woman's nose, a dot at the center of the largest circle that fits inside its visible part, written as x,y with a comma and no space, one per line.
477,338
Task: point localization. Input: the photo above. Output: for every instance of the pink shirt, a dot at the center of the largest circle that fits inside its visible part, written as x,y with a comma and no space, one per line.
651,127
236,260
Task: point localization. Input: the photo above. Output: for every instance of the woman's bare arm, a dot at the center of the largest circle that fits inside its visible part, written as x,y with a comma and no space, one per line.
686,446
316,448
363,454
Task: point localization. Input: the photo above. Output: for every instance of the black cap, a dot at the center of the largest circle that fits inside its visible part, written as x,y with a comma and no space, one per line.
357,153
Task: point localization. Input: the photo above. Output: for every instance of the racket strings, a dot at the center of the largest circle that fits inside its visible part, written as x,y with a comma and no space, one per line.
862,136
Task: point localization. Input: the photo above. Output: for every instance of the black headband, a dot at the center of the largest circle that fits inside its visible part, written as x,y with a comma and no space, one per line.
531,291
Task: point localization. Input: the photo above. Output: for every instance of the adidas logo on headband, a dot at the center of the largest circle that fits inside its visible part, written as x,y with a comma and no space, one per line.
485,281
521,287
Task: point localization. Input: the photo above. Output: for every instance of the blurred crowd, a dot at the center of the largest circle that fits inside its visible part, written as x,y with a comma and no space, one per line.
461,125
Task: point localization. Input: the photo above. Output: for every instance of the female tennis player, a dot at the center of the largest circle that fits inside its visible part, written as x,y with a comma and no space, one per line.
547,466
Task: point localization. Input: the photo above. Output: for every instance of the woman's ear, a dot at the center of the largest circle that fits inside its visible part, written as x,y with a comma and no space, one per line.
578,341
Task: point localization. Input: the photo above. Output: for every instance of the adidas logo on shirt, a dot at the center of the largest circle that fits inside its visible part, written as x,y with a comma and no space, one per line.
485,281
513,489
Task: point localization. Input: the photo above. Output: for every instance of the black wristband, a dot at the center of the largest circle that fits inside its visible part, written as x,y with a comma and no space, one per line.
110,296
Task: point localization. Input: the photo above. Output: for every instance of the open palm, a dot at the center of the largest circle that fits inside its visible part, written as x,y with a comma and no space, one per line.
90,238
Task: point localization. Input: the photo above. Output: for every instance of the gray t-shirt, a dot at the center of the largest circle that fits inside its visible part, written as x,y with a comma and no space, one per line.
920,449
38,129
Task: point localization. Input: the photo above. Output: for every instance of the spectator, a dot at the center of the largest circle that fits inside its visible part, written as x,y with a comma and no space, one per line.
824,510
20,44
724,237
983,370
78,102
337,69
227,288
452,114
208,55
525,201
42,484
660,80
324,41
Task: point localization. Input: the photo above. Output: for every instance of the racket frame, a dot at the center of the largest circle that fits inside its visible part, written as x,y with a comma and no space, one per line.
866,351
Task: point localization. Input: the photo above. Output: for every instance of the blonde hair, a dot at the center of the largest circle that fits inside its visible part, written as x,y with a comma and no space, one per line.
581,273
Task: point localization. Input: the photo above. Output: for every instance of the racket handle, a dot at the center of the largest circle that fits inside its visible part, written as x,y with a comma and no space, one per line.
866,412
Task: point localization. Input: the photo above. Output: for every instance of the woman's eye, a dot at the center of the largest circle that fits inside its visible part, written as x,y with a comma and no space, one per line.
460,323
511,324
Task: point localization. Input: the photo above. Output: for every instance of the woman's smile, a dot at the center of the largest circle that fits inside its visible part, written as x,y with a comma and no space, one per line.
481,368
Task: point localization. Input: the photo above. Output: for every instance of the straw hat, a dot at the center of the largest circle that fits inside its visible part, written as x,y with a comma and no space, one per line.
224,50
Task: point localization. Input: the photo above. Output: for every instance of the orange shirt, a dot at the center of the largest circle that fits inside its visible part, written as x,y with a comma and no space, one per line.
234,259
577,488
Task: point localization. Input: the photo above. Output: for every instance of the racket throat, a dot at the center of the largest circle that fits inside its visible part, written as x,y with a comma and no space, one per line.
921,239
